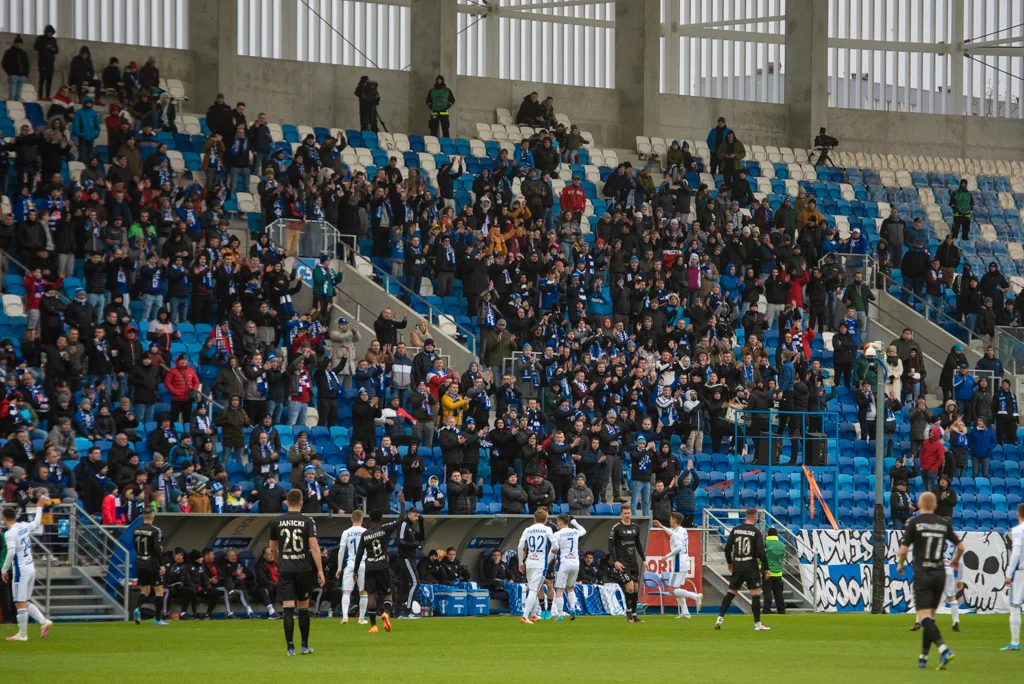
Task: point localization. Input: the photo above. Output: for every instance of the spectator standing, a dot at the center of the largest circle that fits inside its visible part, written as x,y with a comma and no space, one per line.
961,201
85,129
901,505
46,48
261,143
981,439
715,139
894,232
946,496
1007,413
933,455
83,74
440,100
15,65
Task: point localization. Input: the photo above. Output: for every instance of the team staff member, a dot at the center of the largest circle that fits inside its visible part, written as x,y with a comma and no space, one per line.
293,543
410,538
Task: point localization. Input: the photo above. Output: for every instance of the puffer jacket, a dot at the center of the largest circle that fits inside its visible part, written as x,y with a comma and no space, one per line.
581,500
933,453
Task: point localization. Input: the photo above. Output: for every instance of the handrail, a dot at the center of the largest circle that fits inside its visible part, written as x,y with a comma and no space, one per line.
905,293
433,311
23,267
348,255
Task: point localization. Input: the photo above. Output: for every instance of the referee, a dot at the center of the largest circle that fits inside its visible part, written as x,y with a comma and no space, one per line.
410,538
295,548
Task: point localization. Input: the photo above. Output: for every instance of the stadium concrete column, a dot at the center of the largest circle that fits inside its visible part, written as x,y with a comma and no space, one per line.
433,46
806,69
289,29
638,67
213,40
65,19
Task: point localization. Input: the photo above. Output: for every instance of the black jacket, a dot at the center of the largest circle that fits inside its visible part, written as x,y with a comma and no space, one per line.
15,62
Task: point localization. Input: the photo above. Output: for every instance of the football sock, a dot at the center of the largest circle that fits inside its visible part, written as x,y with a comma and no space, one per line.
304,625
928,624
555,609
23,622
363,601
346,602
158,608
726,602
34,613
270,608
372,614
681,597
755,603
954,609
289,625
388,607
926,644
529,603
1015,620
573,605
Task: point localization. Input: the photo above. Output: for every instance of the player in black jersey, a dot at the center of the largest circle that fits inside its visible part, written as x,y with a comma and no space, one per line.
148,542
927,534
748,563
373,546
626,553
294,546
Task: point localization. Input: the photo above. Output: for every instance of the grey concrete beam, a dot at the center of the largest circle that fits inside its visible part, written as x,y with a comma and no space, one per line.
432,51
638,64
806,92
213,40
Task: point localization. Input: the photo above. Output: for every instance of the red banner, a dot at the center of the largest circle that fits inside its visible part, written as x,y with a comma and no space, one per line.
657,549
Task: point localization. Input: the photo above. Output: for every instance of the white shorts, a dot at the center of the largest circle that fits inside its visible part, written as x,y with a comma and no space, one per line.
22,589
678,579
566,575
535,577
950,589
348,579
1017,589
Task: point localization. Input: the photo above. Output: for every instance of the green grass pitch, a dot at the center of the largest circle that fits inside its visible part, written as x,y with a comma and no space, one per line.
800,648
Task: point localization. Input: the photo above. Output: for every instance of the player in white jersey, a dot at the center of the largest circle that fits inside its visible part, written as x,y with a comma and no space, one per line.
18,562
1015,580
567,542
535,550
679,563
351,577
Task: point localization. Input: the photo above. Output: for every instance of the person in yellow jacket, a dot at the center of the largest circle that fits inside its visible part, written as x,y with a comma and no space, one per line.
453,404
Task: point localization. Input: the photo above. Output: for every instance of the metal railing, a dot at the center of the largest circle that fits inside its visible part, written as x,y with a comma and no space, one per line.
325,238
1009,344
878,279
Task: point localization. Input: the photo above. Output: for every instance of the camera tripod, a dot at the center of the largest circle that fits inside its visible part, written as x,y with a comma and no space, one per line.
824,156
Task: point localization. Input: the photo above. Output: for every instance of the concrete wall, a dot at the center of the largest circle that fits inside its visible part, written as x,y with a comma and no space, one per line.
690,118
936,135
179,64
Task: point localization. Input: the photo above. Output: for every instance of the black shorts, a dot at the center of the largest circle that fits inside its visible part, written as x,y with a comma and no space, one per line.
149,578
929,588
550,574
379,581
625,576
295,586
752,578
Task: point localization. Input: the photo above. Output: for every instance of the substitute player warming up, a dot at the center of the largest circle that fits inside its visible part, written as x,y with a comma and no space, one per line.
927,534
1015,580
746,555
18,541
294,546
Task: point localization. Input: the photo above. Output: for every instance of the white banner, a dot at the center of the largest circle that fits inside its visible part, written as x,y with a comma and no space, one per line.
837,571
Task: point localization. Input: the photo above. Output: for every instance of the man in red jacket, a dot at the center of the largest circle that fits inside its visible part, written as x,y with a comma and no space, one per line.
573,198
933,453
181,381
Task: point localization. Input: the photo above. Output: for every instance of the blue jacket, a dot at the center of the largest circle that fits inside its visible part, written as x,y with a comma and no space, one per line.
711,137
981,442
963,387
995,365
600,303
86,124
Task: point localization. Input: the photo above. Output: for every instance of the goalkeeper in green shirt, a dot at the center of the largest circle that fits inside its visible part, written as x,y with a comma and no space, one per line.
776,551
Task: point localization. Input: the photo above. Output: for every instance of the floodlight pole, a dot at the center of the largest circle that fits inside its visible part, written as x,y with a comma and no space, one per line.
878,536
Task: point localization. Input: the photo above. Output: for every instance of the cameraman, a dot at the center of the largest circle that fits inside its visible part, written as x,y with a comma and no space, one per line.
369,98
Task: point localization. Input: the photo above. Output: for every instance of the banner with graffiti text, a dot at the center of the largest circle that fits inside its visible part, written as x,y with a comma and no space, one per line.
836,569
